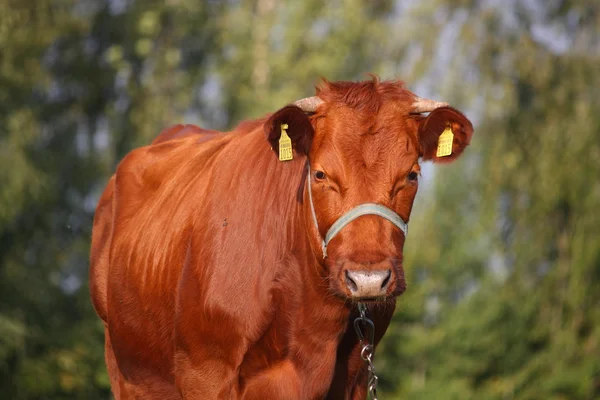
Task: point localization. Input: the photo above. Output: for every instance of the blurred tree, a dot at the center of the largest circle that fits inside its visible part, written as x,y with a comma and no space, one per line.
280,54
82,83
508,251
503,256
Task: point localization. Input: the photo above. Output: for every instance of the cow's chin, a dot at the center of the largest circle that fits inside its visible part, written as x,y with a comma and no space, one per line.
387,298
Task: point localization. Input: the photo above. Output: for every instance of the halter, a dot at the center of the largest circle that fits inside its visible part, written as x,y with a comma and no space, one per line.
358,211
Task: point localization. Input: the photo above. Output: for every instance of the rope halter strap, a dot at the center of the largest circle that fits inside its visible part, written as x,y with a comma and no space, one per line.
358,211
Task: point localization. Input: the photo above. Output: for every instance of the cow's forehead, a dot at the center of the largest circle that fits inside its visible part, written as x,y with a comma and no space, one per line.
380,140
366,125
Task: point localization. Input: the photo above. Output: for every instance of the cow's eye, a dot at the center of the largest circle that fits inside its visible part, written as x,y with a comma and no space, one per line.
413,176
319,175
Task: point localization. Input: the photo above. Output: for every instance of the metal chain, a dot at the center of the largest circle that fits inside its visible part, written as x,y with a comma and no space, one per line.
368,350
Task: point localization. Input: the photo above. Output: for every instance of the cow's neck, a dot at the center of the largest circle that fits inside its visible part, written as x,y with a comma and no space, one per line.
320,320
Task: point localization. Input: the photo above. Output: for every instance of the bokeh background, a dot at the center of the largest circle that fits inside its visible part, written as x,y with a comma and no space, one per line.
503,259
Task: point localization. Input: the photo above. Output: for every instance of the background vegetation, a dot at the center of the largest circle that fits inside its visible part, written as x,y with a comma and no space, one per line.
504,254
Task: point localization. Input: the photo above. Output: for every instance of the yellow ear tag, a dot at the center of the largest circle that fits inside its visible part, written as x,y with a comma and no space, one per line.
285,145
445,143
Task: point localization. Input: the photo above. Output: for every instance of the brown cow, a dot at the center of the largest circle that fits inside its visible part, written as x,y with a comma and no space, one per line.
221,272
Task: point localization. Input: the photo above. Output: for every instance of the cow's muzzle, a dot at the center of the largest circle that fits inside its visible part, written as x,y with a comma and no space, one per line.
368,281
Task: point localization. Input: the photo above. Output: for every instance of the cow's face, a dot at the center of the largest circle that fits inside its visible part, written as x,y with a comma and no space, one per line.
367,150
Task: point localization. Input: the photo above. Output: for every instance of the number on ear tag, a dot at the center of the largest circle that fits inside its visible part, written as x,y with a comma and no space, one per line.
445,143
285,145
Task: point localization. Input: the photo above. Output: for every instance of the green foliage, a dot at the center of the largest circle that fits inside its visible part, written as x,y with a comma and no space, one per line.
509,245
504,251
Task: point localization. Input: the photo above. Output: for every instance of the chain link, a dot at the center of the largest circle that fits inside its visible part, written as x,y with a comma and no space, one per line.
367,351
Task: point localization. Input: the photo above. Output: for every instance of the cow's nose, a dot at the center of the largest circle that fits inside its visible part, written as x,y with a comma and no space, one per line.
368,283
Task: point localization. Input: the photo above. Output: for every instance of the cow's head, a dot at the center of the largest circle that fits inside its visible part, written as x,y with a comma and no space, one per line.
363,142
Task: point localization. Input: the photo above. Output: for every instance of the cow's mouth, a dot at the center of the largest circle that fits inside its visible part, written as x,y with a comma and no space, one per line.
371,299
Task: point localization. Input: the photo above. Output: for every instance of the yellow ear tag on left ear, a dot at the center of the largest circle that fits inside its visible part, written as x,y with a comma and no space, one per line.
285,145
445,143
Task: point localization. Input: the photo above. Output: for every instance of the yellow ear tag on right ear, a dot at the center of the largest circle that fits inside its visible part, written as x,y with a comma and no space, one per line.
445,143
285,145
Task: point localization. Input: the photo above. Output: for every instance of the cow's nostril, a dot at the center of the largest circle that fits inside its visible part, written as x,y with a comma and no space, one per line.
350,283
387,279
368,283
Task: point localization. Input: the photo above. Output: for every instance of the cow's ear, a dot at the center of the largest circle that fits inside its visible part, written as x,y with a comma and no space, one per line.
437,122
299,129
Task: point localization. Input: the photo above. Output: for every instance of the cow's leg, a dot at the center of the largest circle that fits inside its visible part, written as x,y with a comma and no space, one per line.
111,366
121,389
306,374
278,382
148,387
208,356
219,350
210,344
203,375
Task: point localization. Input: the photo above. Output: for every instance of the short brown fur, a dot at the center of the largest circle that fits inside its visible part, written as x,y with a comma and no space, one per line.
206,268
